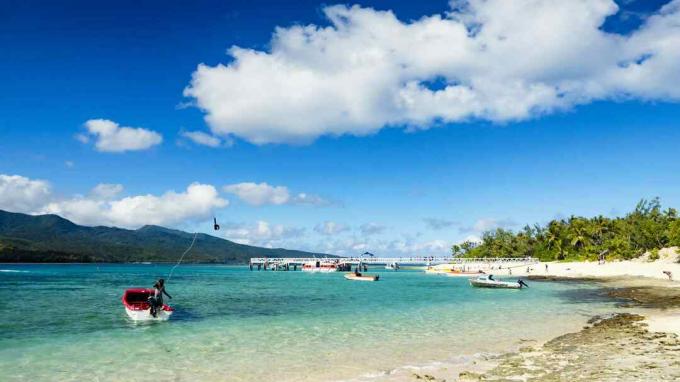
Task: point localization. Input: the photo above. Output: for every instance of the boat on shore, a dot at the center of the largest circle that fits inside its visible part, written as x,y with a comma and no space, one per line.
487,281
360,277
138,308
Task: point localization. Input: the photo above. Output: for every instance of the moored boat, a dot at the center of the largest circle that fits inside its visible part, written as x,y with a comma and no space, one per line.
487,281
325,266
360,277
457,273
138,308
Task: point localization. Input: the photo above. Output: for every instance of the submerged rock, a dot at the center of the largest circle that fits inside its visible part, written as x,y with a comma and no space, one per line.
614,348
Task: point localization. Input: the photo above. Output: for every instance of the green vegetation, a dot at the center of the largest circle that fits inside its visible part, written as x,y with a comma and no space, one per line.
50,238
647,228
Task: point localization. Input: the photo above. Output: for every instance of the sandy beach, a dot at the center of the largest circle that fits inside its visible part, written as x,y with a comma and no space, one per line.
638,341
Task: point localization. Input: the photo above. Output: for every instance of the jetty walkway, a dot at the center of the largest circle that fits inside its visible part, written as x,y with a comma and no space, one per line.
286,263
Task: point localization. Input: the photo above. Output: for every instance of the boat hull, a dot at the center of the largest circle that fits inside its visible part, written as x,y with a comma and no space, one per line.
353,277
137,307
145,315
495,284
319,270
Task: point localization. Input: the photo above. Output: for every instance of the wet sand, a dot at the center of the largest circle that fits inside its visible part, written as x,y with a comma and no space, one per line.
638,342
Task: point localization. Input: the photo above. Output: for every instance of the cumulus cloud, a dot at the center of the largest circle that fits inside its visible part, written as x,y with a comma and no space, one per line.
488,224
369,229
261,233
258,194
196,202
111,137
104,206
494,60
201,138
21,194
106,191
438,224
330,228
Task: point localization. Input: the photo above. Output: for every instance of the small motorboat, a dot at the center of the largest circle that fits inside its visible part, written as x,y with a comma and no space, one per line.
392,266
360,277
137,307
457,273
487,281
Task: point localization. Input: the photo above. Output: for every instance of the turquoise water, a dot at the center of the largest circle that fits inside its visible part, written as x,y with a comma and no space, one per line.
67,323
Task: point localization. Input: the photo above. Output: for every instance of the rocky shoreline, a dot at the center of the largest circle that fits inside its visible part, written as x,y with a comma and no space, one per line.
615,347
619,347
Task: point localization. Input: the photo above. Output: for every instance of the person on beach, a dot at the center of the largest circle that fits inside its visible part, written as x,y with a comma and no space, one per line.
546,267
156,301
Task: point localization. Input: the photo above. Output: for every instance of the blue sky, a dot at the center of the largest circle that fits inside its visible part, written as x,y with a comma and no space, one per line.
589,129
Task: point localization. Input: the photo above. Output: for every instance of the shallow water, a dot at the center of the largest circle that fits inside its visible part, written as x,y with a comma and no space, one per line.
67,323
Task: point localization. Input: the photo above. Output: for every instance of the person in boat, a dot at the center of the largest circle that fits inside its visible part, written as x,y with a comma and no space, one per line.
156,300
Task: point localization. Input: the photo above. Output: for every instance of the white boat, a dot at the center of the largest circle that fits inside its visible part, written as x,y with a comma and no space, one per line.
487,281
392,266
320,266
360,277
137,307
456,273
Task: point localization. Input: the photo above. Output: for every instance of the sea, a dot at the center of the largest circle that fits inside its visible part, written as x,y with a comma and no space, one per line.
66,322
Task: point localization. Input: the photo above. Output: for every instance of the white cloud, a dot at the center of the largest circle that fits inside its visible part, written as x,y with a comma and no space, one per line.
196,202
488,224
82,138
261,233
111,137
21,194
309,199
103,206
368,229
330,228
258,194
495,60
201,138
106,191
472,239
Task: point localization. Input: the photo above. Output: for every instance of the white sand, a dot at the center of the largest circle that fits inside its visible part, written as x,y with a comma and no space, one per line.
640,267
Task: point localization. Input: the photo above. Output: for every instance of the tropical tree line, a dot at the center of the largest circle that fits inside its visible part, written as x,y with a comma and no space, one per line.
647,228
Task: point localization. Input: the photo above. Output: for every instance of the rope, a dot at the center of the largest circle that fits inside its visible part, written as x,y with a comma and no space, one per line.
182,257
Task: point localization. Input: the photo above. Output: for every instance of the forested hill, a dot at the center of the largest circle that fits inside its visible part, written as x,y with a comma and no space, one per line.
50,238
647,228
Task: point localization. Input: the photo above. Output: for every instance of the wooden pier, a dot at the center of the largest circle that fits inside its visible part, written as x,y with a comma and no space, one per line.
293,263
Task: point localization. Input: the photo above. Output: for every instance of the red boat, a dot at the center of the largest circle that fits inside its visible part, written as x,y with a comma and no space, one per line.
137,307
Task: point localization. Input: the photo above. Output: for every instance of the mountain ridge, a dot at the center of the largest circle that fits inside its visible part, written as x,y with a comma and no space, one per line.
52,238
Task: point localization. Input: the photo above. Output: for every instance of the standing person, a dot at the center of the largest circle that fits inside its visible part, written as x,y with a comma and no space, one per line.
546,267
156,301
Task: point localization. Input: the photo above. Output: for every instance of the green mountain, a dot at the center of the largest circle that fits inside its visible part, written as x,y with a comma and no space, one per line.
51,238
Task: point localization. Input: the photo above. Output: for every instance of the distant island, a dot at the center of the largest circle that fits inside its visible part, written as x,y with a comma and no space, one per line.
647,229
53,239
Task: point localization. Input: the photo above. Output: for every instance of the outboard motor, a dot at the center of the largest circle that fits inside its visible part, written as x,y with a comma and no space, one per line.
522,283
